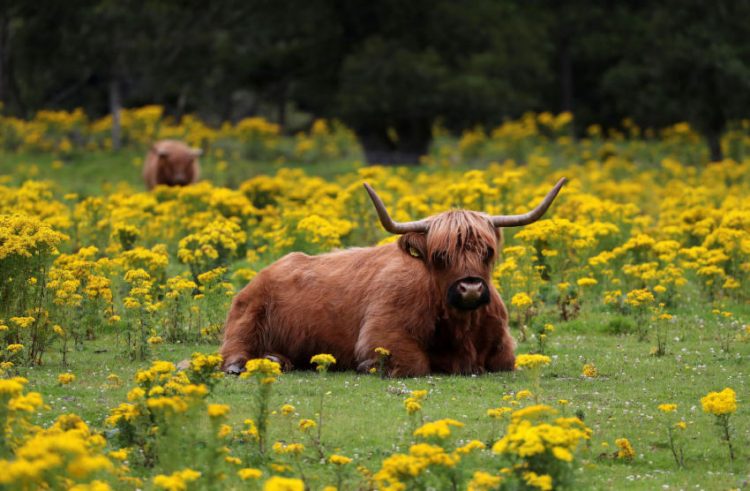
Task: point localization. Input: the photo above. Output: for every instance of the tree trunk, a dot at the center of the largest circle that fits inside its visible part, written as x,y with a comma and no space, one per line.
714,147
181,102
281,105
566,78
115,105
9,93
4,51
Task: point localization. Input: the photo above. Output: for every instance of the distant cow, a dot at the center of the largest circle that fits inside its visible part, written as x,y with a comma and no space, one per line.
428,299
172,163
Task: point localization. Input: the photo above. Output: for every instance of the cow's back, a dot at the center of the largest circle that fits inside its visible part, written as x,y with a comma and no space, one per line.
317,304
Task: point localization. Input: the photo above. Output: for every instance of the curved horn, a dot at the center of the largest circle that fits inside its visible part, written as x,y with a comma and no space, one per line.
533,215
387,221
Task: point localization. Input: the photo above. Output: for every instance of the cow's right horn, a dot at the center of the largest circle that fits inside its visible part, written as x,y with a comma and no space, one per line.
533,215
387,221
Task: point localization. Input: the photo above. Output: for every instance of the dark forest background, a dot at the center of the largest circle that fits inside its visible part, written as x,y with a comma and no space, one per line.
398,64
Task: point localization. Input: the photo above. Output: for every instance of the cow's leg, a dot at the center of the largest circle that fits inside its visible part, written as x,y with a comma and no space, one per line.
242,332
502,357
407,358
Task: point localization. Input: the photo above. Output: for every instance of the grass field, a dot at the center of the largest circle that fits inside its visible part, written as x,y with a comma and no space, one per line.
706,343
365,419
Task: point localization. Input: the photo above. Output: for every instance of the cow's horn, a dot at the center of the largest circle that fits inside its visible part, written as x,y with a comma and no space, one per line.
533,215
387,221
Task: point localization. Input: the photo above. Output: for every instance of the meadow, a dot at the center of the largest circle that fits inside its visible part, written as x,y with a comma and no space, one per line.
630,299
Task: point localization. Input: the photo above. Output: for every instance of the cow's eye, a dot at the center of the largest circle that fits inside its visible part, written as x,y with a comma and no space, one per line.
488,255
439,260
413,251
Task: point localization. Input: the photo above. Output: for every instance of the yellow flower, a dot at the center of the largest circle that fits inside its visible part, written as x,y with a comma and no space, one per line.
532,361
382,352
590,371
261,367
586,282
177,481
288,448
470,447
218,410
532,412
720,403
252,430
637,298
562,453
155,340
339,459
136,393
121,454
667,408
524,394
499,412
65,378
419,394
224,431
626,450
249,473
483,481
542,482
287,409
412,405
23,322
306,424
14,348
440,428
521,300
277,483
323,361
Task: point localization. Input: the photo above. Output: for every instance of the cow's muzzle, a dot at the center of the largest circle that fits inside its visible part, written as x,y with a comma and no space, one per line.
468,293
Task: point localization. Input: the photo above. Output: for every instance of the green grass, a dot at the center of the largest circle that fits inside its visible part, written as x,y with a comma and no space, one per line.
364,416
99,172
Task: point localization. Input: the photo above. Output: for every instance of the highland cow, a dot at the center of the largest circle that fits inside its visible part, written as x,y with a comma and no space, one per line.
428,299
171,163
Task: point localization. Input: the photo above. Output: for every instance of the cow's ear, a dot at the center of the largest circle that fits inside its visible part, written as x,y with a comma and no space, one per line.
413,244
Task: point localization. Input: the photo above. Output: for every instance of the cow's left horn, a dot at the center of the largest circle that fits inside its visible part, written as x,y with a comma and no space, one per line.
387,221
533,215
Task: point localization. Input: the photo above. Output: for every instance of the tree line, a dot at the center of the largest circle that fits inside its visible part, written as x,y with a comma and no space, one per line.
390,69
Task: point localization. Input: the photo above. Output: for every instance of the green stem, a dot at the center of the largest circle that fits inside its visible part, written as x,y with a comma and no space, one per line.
727,437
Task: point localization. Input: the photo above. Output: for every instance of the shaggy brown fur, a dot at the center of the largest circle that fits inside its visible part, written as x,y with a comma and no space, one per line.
172,163
348,303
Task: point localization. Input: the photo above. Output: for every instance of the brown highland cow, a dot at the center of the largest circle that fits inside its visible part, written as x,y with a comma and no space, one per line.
172,163
427,298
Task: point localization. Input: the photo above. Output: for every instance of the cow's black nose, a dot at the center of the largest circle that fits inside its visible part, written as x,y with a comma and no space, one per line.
471,289
468,293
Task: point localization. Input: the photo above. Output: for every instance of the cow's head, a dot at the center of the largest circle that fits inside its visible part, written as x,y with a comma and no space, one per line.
459,247
176,165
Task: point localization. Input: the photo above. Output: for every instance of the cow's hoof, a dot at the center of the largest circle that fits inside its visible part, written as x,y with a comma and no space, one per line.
366,366
284,362
234,369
